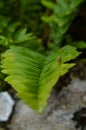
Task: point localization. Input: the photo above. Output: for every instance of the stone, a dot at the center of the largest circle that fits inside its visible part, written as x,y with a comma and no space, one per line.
6,106
58,113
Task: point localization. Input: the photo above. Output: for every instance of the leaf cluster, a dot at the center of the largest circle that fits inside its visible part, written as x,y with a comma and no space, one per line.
29,69
63,13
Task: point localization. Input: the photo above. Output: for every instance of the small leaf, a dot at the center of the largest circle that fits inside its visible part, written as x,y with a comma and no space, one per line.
48,4
80,44
46,19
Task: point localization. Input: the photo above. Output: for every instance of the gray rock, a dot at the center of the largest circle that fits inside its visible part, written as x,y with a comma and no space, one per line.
6,106
58,113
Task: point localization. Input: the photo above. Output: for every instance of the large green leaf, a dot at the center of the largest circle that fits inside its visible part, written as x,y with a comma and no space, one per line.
33,75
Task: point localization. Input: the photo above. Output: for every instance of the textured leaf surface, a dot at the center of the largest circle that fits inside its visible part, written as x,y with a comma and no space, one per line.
33,75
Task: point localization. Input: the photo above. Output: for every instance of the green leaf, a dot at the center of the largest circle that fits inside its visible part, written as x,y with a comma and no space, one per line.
4,41
22,36
48,4
80,44
33,75
76,3
63,12
46,19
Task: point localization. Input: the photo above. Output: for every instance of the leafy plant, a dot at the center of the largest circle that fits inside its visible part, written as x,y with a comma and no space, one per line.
25,12
33,75
64,11
16,25
30,70
77,44
22,38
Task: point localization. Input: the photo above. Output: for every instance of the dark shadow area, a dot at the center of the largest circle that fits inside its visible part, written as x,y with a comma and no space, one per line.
80,118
